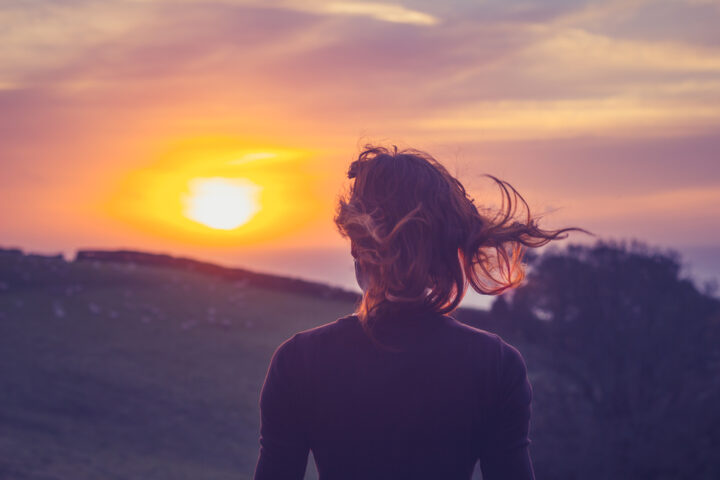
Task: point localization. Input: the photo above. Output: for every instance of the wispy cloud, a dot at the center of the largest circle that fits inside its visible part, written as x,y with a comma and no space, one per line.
576,50
669,203
619,117
46,35
380,11
383,11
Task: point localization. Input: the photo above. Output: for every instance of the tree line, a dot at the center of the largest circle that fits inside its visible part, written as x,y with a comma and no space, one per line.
624,357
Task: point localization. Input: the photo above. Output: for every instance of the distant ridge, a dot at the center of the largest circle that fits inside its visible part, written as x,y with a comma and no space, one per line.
470,315
264,280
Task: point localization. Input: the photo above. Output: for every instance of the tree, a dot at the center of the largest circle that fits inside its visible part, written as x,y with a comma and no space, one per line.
632,355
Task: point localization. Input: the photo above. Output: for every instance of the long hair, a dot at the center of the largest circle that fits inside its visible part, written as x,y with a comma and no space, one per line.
419,239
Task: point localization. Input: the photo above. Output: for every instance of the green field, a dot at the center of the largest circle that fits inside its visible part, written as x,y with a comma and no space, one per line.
116,371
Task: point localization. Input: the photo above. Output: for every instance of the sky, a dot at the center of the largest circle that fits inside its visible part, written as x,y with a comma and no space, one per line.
116,116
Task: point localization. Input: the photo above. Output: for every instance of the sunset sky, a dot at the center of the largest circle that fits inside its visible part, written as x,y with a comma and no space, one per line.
124,122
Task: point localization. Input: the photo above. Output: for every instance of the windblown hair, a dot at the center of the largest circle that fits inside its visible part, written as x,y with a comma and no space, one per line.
419,238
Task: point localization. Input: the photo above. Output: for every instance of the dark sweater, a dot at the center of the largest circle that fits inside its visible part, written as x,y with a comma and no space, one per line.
453,396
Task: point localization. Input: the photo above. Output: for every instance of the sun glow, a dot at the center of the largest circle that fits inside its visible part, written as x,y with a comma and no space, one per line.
222,191
221,203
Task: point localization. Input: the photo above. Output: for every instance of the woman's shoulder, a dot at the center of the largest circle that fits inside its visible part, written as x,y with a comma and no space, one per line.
339,326
311,337
476,335
491,347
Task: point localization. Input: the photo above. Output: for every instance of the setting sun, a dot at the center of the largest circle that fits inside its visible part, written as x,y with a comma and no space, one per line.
221,203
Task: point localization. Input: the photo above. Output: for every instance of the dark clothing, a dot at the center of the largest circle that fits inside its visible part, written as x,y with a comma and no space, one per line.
455,395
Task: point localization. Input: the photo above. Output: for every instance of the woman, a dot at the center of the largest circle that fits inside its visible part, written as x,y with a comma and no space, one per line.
400,389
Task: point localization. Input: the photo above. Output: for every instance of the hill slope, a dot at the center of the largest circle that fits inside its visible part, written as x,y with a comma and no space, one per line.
118,370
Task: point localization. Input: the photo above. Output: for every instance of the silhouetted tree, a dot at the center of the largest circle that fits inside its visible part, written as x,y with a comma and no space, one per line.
633,382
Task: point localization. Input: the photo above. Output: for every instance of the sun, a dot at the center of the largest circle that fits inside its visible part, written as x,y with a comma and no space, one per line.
221,203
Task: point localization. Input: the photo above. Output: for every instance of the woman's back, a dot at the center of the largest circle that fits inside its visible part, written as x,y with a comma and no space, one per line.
453,394
399,389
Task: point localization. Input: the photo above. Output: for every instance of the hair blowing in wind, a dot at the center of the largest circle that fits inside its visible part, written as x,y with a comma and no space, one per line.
419,238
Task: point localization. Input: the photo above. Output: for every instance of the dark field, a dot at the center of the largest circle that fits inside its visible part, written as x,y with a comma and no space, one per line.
117,370
112,371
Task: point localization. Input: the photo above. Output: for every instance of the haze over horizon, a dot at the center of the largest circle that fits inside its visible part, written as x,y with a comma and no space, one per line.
130,123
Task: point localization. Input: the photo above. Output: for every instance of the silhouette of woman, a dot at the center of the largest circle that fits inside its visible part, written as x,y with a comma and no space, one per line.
399,389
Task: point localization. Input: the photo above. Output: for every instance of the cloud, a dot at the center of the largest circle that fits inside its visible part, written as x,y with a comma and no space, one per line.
685,21
40,36
379,11
590,165
671,203
382,11
591,53
453,80
619,117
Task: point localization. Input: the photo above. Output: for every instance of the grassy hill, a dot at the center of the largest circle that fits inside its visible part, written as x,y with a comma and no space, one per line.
127,365
118,370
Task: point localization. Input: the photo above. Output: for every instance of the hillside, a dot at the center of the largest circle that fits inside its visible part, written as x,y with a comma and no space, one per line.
120,370
128,365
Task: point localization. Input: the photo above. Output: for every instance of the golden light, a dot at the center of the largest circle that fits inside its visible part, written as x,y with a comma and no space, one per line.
221,203
221,191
